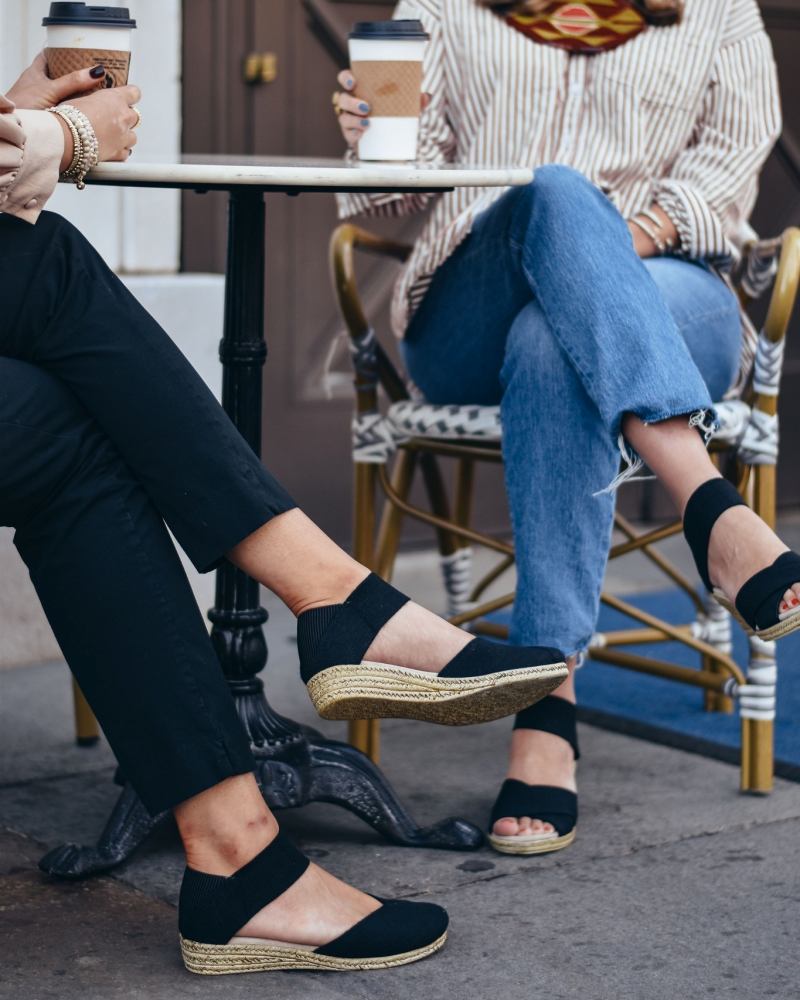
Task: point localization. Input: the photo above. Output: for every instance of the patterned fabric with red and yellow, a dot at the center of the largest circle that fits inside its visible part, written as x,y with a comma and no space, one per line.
590,26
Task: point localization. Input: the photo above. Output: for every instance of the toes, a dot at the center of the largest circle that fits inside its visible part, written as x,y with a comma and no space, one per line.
790,599
796,592
524,825
506,827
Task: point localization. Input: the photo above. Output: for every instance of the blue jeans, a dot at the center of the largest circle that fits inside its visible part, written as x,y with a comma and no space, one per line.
547,310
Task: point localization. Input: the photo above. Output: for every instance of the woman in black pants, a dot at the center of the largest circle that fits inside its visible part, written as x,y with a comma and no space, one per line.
106,432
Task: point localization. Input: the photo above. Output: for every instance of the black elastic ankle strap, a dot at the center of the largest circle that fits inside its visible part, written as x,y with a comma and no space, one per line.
342,633
552,715
704,507
212,908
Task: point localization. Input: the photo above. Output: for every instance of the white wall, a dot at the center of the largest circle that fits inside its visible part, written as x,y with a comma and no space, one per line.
135,231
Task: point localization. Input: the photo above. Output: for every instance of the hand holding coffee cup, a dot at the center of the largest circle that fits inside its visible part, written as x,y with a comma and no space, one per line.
386,61
353,112
35,90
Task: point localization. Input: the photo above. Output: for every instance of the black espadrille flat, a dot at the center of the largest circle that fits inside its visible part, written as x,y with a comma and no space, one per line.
550,804
485,681
213,908
757,605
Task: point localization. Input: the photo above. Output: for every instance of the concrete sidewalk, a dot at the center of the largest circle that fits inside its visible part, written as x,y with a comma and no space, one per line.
676,885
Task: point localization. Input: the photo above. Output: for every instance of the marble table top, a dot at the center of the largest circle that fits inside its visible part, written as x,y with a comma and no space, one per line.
285,173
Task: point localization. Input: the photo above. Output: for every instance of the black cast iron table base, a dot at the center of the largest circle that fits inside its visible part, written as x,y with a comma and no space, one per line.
295,765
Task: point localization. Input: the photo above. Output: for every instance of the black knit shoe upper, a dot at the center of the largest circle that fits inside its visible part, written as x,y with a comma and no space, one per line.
214,908
342,633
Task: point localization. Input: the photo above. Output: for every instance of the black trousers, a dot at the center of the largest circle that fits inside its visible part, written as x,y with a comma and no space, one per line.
107,432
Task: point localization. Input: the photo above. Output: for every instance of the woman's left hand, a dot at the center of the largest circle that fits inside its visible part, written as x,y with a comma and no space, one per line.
667,232
35,91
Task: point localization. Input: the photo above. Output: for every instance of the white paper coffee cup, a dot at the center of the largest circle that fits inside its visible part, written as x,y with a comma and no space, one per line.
79,36
386,60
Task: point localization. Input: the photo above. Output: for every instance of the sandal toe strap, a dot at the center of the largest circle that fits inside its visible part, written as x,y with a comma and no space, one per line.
558,806
759,598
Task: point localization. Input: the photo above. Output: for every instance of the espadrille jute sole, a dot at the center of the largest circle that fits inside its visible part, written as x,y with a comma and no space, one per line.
522,845
777,631
227,959
382,691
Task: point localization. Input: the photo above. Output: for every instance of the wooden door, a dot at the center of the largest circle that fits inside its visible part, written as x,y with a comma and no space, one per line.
306,429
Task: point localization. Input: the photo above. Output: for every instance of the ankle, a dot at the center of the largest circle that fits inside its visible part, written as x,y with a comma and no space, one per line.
223,848
332,588
534,752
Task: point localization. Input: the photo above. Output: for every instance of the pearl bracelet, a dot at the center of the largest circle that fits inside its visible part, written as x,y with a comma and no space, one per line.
86,150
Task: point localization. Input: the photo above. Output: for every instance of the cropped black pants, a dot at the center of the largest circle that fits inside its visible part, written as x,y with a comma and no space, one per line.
107,432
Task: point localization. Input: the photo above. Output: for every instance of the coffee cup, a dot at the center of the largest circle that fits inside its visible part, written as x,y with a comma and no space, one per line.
80,36
386,60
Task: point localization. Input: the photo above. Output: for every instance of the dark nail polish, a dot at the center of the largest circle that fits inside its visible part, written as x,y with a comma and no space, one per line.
365,122
363,107
97,71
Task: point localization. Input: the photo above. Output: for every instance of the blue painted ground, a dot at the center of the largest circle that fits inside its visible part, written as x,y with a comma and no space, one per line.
640,703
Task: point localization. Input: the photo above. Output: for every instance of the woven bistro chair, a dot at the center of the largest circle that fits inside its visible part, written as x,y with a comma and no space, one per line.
398,438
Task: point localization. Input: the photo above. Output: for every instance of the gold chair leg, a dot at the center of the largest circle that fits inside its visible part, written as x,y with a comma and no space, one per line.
87,730
392,517
715,701
363,733
758,760
758,772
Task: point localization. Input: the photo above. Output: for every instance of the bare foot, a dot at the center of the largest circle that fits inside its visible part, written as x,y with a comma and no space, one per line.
537,758
741,544
313,911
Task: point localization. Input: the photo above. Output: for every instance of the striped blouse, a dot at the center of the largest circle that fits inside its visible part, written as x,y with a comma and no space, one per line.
684,116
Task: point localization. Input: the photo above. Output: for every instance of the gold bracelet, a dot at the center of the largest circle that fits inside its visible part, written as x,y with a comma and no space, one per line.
76,144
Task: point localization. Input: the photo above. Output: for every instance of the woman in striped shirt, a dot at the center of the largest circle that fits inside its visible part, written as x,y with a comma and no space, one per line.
592,304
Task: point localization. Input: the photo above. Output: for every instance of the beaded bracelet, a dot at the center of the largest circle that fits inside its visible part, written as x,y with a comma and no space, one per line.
86,150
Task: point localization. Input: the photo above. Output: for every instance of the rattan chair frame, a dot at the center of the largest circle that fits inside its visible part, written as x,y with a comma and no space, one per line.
376,538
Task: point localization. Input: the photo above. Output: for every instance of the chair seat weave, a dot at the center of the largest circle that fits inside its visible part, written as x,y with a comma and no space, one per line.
376,436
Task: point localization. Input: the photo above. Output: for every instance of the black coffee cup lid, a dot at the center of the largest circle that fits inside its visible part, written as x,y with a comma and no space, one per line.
389,30
96,17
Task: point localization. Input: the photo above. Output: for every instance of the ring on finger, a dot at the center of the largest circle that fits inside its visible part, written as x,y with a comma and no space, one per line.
138,117
335,102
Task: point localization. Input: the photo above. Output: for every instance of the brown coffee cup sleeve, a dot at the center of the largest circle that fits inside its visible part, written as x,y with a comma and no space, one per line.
391,88
60,62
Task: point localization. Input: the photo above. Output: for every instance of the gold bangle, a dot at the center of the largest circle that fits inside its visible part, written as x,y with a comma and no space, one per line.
76,143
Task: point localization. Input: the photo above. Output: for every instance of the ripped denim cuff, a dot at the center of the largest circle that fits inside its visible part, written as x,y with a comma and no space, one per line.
704,420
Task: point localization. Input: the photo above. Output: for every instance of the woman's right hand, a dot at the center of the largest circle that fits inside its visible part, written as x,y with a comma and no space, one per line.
353,120
113,120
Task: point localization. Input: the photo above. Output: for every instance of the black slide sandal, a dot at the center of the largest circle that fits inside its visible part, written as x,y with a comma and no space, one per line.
757,604
485,681
550,804
213,908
